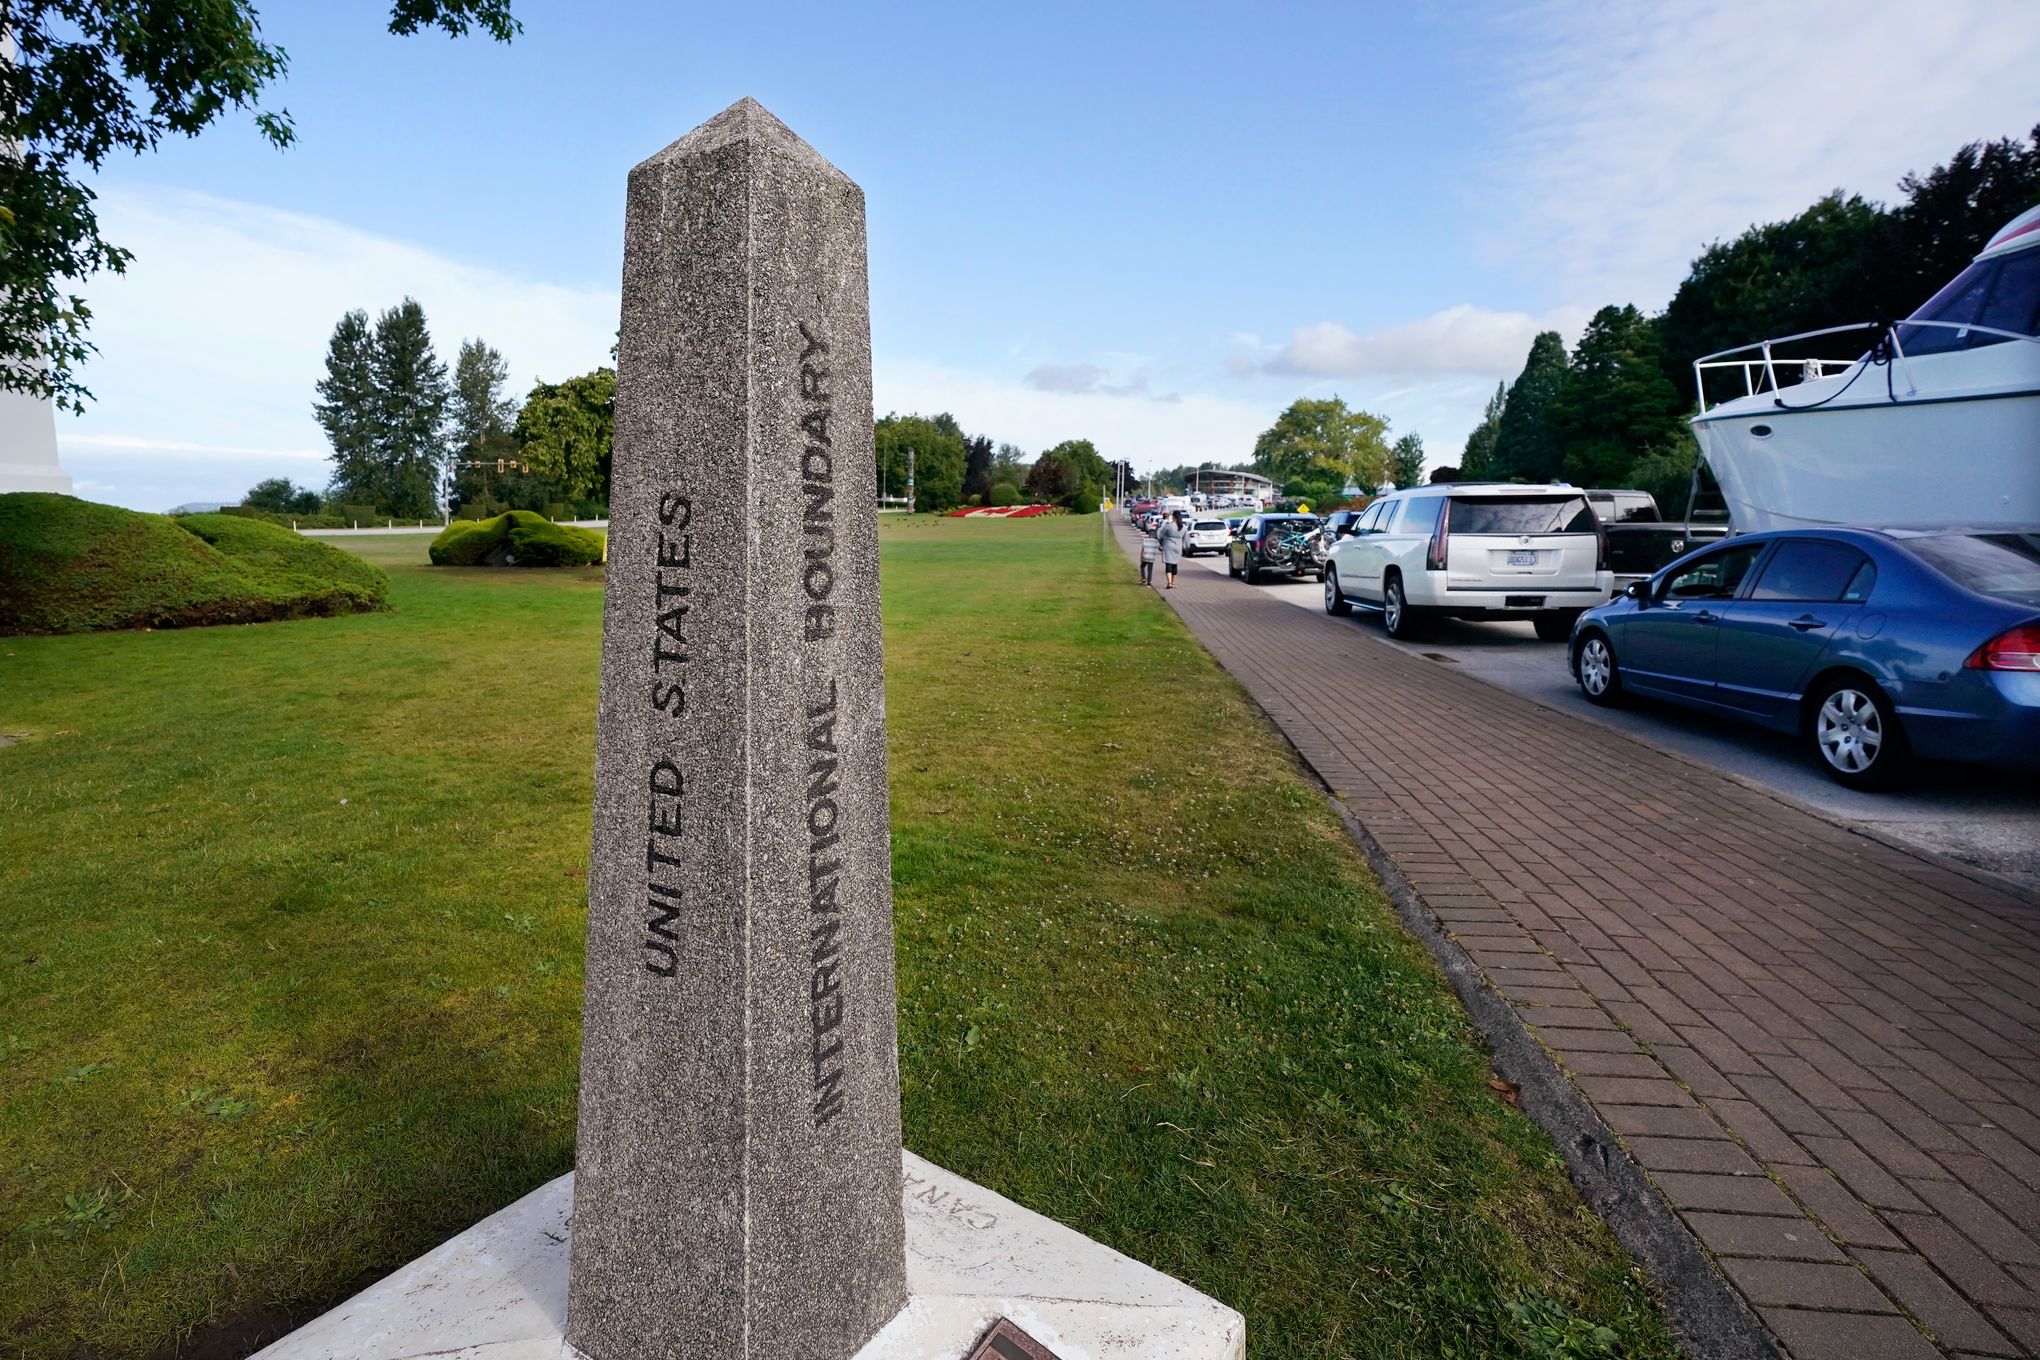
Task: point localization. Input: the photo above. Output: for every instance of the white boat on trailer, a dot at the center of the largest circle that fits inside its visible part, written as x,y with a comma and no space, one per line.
1938,423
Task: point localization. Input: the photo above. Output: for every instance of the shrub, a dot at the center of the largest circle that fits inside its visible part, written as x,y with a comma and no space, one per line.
71,566
287,520
1084,500
556,511
516,538
1005,493
356,514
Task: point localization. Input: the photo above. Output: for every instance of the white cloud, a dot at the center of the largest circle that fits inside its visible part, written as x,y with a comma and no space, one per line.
1090,380
1462,339
1124,423
210,344
1065,377
1647,131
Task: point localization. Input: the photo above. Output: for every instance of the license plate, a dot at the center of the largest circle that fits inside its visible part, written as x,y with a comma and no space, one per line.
1522,559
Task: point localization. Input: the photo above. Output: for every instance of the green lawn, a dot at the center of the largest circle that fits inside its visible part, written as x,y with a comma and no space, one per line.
290,965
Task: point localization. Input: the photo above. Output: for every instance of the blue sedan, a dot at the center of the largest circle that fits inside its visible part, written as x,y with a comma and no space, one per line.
1876,645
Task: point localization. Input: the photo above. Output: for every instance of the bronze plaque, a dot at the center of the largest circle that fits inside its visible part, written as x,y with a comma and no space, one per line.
1005,1341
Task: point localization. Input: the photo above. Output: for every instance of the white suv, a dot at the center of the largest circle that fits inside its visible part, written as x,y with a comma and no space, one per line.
1207,535
1472,550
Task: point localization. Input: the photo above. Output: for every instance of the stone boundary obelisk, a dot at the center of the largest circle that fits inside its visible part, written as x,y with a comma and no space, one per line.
738,1176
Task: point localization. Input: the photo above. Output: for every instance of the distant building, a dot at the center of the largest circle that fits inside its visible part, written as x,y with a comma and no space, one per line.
1222,482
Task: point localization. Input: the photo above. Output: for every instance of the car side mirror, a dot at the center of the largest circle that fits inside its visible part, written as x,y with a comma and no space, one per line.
1638,591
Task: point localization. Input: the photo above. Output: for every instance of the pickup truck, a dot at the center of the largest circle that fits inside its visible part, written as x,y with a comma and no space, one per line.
1640,539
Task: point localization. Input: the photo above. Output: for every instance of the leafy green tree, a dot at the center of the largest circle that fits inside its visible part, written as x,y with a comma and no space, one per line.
1783,278
383,405
1477,460
1951,211
937,444
279,495
1616,401
92,77
1666,472
568,433
1084,461
1406,461
1050,481
1324,441
1526,447
1009,465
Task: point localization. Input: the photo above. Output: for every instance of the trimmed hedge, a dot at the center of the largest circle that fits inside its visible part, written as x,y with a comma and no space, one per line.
1005,493
72,566
314,521
516,538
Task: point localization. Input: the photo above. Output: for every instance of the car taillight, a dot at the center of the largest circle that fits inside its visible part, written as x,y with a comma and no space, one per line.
2015,649
1600,545
1434,556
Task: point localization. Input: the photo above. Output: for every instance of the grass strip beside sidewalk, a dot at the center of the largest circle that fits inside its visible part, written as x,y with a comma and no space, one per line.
259,1043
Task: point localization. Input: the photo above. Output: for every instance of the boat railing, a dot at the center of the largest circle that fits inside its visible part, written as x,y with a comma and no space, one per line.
1768,371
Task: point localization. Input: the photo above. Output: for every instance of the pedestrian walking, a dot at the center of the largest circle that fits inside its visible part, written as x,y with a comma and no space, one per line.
1170,541
1149,551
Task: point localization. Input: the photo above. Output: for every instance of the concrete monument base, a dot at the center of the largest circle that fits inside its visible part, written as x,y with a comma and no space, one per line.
499,1290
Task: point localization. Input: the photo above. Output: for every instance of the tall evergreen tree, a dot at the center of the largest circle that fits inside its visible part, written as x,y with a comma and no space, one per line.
412,397
346,408
1406,461
481,423
383,405
1616,403
1526,447
481,409
1476,461
977,466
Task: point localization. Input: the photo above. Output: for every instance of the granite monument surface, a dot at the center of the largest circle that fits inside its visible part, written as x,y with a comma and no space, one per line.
738,1171
740,1191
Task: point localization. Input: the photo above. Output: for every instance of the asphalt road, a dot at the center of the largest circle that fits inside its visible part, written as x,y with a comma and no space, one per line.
1980,817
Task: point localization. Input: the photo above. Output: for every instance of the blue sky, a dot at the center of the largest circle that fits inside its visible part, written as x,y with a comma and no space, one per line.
1148,225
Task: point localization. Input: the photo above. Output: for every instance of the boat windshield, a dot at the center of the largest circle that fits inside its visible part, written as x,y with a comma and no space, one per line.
2003,293
2004,565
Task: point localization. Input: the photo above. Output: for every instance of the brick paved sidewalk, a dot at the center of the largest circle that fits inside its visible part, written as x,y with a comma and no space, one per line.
1825,1051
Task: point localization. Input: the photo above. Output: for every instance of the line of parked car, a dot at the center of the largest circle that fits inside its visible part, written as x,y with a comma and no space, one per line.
1877,646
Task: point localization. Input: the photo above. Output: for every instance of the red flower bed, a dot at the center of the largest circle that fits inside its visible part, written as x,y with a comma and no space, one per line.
998,511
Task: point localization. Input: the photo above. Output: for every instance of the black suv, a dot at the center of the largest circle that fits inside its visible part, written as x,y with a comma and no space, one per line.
1272,543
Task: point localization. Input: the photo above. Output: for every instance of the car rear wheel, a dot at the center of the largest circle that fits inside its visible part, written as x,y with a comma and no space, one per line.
1856,735
1600,678
1335,603
1253,570
1397,618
